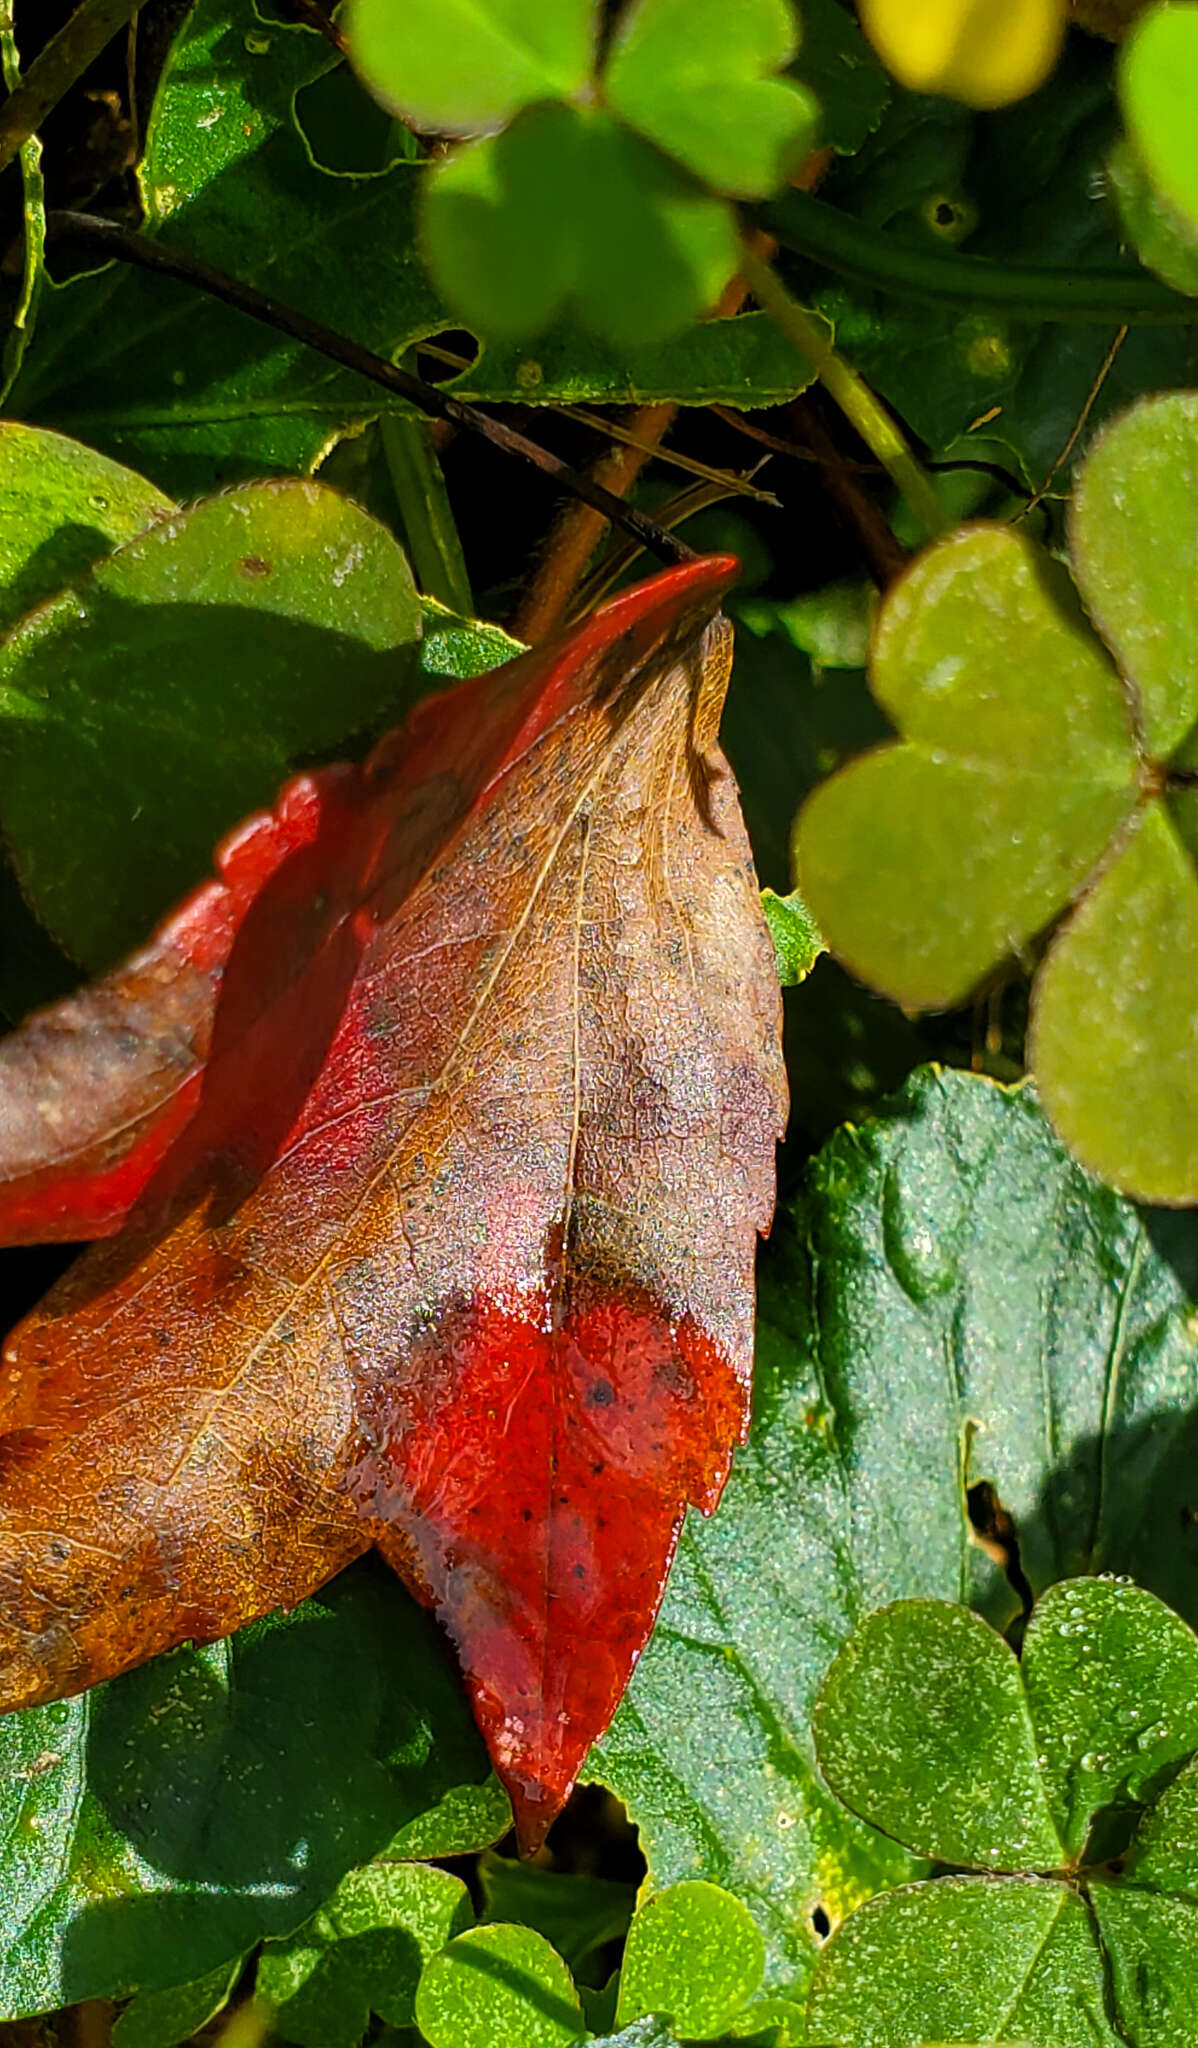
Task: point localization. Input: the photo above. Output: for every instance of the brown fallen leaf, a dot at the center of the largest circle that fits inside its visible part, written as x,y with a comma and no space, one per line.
444,1133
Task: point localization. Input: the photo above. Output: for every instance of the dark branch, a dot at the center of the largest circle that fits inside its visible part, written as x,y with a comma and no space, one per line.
105,238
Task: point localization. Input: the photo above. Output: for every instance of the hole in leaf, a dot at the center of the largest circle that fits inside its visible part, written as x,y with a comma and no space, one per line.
995,1532
821,1926
348,132
441,357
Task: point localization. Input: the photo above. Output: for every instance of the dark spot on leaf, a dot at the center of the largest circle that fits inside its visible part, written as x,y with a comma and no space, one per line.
821,1926
600,1394
253,565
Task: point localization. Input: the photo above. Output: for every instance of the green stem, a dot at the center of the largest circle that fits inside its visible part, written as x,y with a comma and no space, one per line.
428,524
849,391
64,60
811,228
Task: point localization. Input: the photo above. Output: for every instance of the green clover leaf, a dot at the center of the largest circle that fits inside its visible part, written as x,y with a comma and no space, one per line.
694,76
500,1986
694,1953
1154,171
568,206
1057,1776
466,66
1034,772
607,194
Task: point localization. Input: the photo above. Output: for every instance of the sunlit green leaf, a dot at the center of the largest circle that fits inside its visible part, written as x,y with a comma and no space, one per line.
462,66
500,1986
922,1727
995,1960
694,1954
694,76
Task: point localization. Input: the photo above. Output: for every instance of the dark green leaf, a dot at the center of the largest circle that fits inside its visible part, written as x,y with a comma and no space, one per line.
175,383
216,1796
1017,187
951,1302
576,1913
842,71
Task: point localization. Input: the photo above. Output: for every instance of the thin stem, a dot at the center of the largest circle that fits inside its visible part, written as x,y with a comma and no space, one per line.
1106,298
848,390
64,60
106,239
427,520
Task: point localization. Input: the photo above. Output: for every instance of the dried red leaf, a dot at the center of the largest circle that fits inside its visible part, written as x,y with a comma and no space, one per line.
443,1141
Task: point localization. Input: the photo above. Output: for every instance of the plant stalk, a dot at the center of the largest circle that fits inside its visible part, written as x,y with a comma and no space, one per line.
810,227
848,390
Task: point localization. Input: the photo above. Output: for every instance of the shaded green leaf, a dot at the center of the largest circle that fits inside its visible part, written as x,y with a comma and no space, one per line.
576,1913
499,1987
923,1728
161,2019
216,1796
694,76
173,382
362,1953
842,71
567,207
62,508
1004,1960
693,1954
462,66
162,697
1017,187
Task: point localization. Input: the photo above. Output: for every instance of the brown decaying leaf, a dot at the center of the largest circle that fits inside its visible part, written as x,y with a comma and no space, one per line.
444,1124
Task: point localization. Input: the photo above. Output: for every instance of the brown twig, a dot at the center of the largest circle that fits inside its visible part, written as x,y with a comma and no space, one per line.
884,555
577,532
315,16
52,74
578,529
106,238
